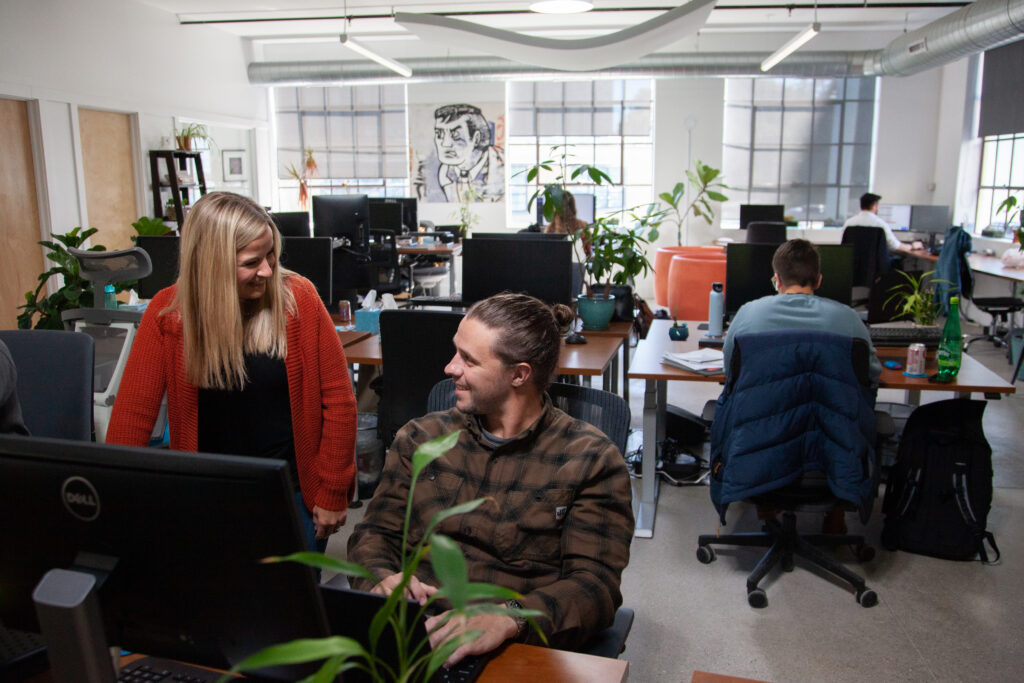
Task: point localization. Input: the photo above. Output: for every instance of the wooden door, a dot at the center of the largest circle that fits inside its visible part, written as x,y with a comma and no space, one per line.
109,169
21,258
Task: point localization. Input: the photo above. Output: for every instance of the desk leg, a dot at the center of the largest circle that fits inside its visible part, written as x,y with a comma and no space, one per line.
625,369
451,276
614,375
913,397
655,395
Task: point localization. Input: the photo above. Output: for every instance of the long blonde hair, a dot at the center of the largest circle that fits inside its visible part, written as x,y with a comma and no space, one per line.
217,337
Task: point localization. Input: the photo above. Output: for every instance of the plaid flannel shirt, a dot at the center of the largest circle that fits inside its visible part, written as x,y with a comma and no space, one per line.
557,528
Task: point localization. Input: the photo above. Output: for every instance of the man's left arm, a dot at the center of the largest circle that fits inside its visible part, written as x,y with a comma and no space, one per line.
595,549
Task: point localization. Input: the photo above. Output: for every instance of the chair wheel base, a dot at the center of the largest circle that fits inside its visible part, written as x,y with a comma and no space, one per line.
757,598
705,554
867,598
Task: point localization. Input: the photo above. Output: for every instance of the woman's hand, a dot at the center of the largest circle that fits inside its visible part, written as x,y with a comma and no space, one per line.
328,522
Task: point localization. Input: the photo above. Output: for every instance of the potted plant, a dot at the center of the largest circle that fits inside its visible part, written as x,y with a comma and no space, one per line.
76,292
150,227
309,169
418,660
193,131
678,332
566,172
915,298
705,189
609,254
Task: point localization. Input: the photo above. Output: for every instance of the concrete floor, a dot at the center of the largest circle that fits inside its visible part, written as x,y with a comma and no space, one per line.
936,620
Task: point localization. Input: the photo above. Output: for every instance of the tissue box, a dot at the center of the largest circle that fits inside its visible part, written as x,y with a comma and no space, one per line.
368,321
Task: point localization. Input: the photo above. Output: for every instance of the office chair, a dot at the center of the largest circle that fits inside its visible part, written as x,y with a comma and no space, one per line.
55,381
766,232
415,347
608,412
870,260
794,431
1000,308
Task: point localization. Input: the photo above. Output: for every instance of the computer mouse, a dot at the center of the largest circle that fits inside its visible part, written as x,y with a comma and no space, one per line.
892,365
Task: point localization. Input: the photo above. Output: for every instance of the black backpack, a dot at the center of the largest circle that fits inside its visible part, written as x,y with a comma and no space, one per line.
940,488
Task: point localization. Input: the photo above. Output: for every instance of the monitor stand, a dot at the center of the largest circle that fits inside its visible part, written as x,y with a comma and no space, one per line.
72,626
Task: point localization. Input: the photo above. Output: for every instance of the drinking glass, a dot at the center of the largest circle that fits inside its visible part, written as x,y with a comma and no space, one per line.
345,315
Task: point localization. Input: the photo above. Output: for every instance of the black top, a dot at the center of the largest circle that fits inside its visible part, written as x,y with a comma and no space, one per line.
255,421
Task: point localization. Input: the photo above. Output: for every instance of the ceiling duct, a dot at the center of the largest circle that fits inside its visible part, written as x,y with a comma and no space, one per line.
980,26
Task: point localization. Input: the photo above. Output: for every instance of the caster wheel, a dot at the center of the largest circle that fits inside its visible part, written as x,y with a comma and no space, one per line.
867,598
705,554
757,598
864,553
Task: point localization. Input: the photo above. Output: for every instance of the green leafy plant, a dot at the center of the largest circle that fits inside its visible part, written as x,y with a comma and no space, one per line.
465,215
612,254
705,188
76,292
150,227
566,172
1012,213
417,661
193,131
915,298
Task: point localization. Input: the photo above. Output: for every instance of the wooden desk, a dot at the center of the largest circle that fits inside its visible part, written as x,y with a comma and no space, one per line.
437,248
622,330
518,662
973,378
350,337
979,263
588,360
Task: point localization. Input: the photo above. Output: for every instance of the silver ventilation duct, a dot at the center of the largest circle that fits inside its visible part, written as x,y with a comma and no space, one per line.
980,26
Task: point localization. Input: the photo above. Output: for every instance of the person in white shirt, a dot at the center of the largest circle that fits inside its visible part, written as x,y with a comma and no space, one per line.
869,216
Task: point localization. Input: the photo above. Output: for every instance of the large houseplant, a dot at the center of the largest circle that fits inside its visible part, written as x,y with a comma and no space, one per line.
611,254
565,172
704,188
418,661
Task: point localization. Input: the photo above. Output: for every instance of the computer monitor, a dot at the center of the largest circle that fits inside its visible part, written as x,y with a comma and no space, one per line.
343,215
163,253
929,219
896,215
540,268
748,273
291,223
311,258
771,213
586,207
409,214
386,214
557,236
176,538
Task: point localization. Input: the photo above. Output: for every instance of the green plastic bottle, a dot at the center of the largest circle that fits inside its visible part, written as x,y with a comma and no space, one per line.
951,345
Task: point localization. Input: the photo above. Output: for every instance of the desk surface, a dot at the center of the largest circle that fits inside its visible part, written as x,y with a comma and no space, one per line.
350,337
438,247
980,263
518,661
575,359
973,376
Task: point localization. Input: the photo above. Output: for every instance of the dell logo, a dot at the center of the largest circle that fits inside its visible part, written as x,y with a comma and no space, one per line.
80,498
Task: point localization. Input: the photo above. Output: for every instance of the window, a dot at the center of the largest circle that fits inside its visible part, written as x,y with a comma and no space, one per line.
801,142
607,123
357,134
1002,174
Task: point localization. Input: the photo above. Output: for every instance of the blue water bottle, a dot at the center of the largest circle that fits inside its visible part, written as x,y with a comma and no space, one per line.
109,297
715,310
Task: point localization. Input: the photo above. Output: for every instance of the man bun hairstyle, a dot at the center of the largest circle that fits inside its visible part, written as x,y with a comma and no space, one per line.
797,262
529,331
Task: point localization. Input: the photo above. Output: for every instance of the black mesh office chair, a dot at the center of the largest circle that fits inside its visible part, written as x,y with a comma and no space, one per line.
415,347
870,259
766,232
748,431
55,381
1000,308
608,412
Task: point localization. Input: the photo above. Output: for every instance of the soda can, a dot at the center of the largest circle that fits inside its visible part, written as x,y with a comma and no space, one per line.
915,359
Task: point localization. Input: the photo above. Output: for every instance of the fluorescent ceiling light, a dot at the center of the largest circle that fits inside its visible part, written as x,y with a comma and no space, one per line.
397,67
794,44
561,6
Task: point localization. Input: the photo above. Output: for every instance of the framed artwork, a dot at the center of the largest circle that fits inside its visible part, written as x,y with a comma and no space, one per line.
236,164
458,152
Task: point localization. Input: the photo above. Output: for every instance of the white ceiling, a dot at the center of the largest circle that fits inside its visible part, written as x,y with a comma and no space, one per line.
296,30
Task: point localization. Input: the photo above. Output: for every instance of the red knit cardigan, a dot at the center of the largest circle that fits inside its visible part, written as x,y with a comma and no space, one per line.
322,403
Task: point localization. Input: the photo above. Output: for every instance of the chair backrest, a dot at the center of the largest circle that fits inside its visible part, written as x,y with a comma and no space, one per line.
870,253
55,381
607,411
766,232
415,346
104,267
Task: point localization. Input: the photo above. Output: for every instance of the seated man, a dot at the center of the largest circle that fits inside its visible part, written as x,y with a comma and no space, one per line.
797,268
559,521
868,217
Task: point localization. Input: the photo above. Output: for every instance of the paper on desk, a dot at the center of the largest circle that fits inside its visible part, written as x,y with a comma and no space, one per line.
700,355
707,361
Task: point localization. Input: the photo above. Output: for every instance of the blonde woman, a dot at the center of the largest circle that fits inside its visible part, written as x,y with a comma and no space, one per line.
249,359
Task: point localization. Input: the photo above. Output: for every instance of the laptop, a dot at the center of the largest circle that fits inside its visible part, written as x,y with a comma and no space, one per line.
350,613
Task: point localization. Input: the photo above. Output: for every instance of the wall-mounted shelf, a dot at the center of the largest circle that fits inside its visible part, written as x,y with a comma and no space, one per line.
179,191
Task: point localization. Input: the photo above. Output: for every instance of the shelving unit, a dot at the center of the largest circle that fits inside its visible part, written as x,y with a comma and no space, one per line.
175,160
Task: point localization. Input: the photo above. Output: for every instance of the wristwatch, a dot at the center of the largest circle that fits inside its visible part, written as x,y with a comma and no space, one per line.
520,621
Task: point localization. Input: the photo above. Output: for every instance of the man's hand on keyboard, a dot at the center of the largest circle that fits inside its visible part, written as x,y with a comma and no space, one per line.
416,590
497,628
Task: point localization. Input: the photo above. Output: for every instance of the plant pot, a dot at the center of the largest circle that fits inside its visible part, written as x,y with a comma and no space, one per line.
680,332
596,311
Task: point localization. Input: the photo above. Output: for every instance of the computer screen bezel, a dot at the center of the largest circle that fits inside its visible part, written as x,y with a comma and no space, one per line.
343,215
491,266
313,259
770,213
749,277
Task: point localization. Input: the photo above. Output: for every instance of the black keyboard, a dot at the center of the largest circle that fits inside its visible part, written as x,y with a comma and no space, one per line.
466,671
905,336
150,669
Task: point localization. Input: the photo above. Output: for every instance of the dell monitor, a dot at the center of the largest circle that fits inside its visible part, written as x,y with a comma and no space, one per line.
748,273
163,253
346,216
770,213
310,257
175,540
896,215
386,214
540,268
